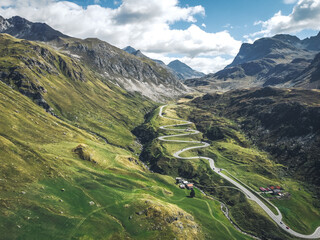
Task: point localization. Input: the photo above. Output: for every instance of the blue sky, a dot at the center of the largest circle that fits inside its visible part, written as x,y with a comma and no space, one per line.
239,16
205,34
236,16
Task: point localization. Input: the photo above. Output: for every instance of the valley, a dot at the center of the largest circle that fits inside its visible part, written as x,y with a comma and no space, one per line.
277,216
102,142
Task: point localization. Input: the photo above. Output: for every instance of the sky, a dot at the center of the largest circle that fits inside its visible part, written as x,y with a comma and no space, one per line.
205,34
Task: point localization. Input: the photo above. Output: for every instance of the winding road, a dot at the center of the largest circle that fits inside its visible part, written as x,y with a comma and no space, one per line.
276,218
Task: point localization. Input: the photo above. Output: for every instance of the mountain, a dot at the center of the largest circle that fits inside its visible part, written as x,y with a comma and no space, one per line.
69,161
277,47
276,61
22,28
68,158
69,89
130,50
312,43
260,137
283,122
134,52
183,70
132,73
310,77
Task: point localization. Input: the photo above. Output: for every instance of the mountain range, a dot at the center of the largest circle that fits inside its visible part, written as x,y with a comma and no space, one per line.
80,151
181,70
281,61
69,161
134,74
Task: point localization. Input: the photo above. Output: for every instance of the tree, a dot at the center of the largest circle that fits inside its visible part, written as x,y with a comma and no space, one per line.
192,193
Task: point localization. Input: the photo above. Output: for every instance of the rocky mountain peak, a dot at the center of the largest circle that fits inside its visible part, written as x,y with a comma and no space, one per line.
183,70
282,60
134,74
4,24
178,64
312,43
129,49
134,52
22,28
263,47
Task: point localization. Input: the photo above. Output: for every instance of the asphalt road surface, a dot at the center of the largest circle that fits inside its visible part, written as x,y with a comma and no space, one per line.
247,192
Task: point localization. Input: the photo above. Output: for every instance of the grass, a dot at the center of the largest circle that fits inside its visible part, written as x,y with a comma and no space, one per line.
58,186
236,154
47,191
73,90
300,210
255,168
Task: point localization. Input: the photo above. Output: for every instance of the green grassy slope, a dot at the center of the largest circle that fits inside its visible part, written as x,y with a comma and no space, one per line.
232,150
58,180
49,192
74,92
282,122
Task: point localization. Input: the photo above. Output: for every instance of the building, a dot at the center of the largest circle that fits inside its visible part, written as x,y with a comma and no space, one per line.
276,191
182,186
189,186
262,189
179,180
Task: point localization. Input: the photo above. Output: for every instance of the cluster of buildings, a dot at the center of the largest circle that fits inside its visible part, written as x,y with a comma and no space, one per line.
183,183
275,190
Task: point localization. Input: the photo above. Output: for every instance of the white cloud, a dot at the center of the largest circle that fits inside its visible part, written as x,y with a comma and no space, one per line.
207,65
289,1
202,63
144,24
305,15
204,25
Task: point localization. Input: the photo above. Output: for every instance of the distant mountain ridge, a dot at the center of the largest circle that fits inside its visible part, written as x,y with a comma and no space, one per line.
132,73
181,70
275,61
21,28
184,70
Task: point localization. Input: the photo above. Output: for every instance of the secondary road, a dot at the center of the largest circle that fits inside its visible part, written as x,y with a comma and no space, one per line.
276,218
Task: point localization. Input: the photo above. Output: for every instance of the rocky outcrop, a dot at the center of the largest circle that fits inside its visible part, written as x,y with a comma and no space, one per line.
84,152
167,218
184,71
22,28
283,122
309,78
179,69
35,63
277,61
132,73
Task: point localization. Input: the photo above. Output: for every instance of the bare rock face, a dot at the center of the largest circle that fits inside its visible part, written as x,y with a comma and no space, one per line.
167,218
126,70
83,151
21,28
183,70
283,122
132,73
179,69
278,61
